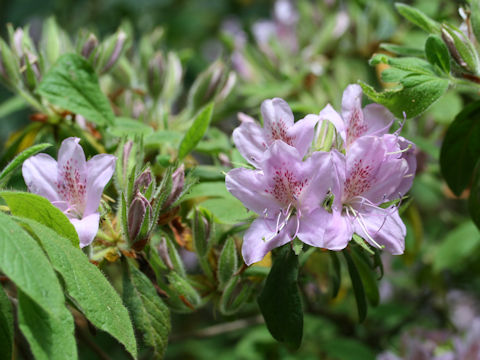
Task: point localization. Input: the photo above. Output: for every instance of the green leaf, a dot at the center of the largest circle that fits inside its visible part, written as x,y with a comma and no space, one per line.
461,148
226,210
347,349
437,53
6,326
335,274
368,276
280,301
416,94
86,285
227,262
357,285
474,198
38,208
183,292
207,189
475,17
130,128
6,173
150,315
406,64
418,18
43,318
402,50
71,83
196,132
457,247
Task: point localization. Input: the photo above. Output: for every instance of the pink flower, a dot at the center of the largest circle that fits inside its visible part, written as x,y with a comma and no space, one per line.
287,194
375,170
72,184
252,141
373,119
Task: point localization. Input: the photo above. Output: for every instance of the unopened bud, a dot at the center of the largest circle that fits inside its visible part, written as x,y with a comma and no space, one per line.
139,218
143,181
163,253
8,66
156,74
89,46
201,234
178,180
113,49
173,78
461,49
209,84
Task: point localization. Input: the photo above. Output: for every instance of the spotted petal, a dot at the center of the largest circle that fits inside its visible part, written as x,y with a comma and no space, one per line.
250,140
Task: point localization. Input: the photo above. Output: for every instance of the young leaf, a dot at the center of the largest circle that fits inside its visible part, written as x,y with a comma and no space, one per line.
418,18
196,131
6,326
461,148
437,53
86,285
150,315
280,301
416,94
227,263
38,208
357,285
71,83
6,173
49,330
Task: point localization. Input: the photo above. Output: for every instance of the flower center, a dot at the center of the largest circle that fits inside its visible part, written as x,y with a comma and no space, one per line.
278,131
286,187
358,181
356,128
71,186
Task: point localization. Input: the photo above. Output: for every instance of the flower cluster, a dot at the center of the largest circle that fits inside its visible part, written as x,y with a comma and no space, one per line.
72,184
322,195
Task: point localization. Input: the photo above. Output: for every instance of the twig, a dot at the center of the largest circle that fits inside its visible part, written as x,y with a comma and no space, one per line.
219,329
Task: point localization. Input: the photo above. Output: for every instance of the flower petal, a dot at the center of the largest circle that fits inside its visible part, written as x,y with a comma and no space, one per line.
378,119
339,232
302,133
384,226
86,228
249,187
352,107
100,169
312,227
328,113
40,174
277,119
261,238
70,151
250,140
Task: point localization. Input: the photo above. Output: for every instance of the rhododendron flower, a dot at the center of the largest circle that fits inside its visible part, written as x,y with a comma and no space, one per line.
374,170
252,140
287,194
72,184
373,119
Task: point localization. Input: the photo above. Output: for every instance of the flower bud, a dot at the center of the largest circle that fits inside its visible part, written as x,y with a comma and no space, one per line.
139,218
178,180
156,75
461,49
113,48
89,46
214,84
201,234
143,181
163,253
475,18
173,78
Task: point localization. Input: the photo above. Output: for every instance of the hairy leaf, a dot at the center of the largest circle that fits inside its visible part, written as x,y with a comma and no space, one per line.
71,83
6,326
196,132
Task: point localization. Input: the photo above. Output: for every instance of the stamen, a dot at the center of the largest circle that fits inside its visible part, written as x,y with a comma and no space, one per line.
400,151
361,221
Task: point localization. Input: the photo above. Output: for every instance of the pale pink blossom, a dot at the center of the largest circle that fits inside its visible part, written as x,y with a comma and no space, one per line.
72,184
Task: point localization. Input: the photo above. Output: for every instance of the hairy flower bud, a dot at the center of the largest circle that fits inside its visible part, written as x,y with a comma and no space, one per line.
143,181
163,253
156,74
139,219
461,49
89,46
178,180
113,48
